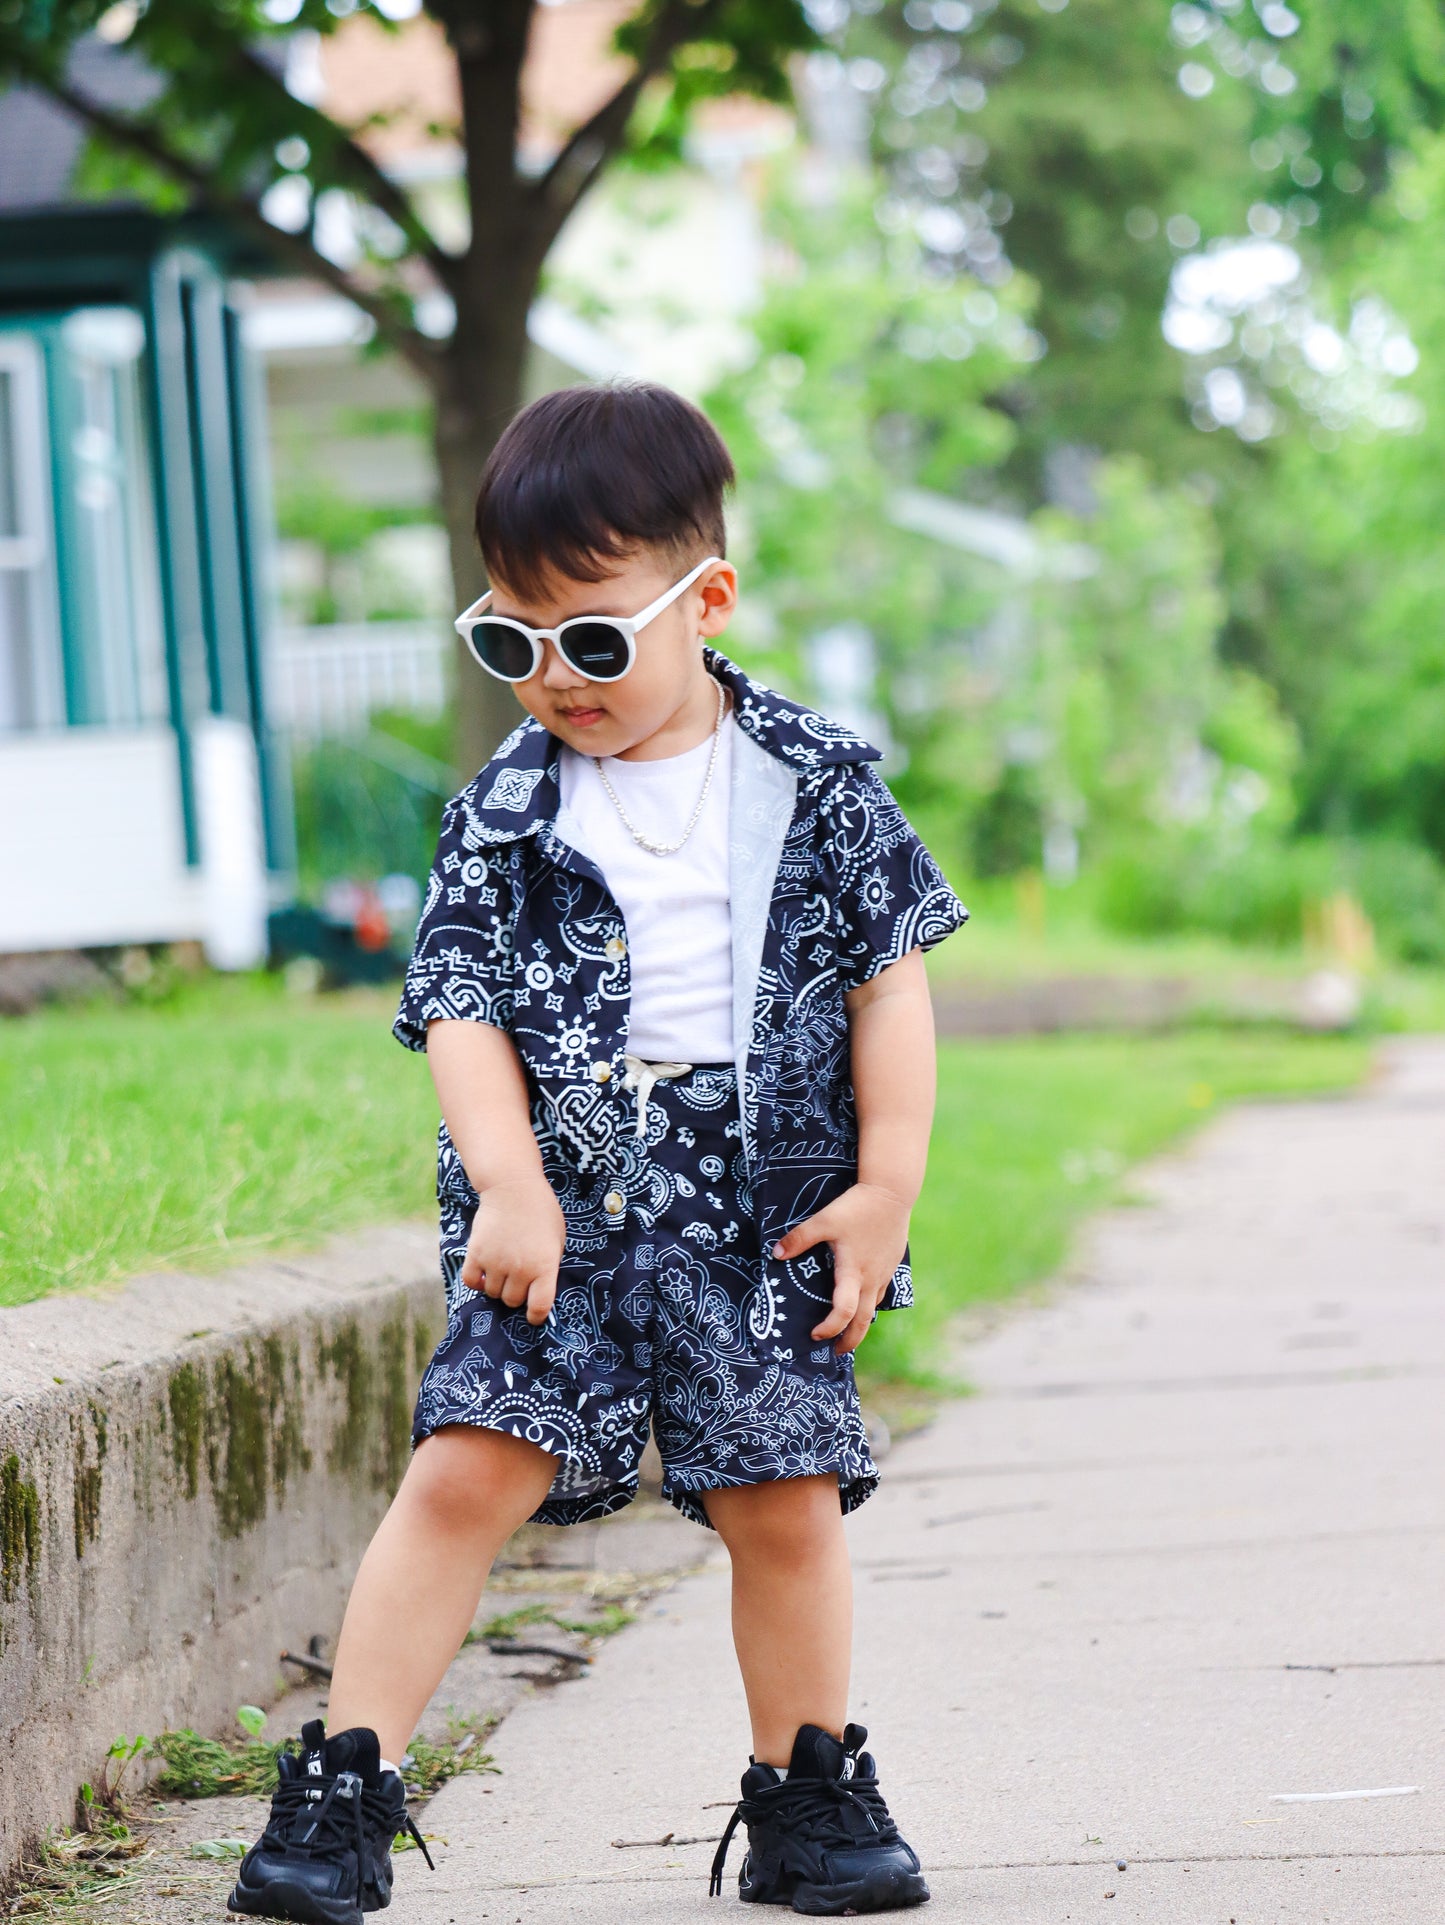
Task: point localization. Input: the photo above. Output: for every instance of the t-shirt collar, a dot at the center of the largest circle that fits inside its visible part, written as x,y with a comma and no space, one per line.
518,793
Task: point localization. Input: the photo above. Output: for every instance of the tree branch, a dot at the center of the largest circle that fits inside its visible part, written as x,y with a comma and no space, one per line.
366,178
297,253
588,149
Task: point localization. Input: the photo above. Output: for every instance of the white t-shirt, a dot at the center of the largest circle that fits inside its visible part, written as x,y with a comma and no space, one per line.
676,908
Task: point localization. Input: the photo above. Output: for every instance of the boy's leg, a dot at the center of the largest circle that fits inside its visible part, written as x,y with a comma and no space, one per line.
465,1491
325,1855
792,1606
820,1836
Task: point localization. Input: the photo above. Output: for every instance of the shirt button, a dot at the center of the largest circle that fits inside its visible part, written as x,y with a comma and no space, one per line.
614,1203
614,949
602,1072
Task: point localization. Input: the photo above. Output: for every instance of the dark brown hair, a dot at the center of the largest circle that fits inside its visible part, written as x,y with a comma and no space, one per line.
584,476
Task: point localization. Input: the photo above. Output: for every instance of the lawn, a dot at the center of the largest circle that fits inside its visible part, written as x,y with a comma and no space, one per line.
230,1119
235,1118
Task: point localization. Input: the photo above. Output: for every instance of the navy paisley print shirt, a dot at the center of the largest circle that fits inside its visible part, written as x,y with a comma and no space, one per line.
829,885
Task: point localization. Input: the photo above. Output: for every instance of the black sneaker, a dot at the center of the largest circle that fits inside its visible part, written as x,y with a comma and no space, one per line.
325,1855
821,1839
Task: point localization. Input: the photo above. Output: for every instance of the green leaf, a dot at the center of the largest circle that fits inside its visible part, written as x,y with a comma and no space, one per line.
252,1719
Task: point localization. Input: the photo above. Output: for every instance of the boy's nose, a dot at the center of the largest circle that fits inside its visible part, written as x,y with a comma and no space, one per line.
556,672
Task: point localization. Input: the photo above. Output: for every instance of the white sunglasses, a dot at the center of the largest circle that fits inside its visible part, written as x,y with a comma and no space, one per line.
601,648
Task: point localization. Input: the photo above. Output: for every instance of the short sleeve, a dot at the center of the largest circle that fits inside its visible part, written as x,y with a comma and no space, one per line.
892,896
461,967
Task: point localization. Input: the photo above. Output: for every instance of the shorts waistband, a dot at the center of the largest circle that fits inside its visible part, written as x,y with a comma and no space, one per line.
644,1076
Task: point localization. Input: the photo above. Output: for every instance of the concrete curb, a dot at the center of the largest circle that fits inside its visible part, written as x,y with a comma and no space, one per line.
189,1469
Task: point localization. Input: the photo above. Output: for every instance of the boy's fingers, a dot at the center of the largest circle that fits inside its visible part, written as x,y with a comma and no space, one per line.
857,1330
540,1298
846,1291
514,1290
802,1236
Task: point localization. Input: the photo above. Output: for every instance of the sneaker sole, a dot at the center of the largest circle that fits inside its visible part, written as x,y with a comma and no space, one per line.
887,1892
292,1902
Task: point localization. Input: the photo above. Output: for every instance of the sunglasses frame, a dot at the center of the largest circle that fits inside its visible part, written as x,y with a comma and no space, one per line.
473,618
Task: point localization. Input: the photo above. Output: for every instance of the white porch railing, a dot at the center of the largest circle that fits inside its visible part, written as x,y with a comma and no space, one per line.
328,681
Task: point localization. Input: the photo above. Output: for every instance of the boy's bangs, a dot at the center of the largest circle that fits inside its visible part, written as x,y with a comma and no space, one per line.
585,477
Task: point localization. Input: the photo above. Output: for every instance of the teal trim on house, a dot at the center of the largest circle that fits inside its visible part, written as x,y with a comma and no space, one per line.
159,515
252,488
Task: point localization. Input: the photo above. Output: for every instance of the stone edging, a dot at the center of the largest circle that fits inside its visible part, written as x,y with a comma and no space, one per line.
189,1469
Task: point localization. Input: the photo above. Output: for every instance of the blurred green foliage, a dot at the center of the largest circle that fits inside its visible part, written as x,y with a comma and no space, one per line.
1266,891
370,806
1341,570
1211,673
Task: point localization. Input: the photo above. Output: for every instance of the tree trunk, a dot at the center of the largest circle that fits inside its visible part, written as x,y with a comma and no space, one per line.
480,390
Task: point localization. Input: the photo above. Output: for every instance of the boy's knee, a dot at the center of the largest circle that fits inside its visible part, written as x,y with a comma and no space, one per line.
792,1521
460,1476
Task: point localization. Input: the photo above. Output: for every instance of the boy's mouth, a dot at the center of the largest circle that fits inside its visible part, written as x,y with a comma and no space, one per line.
582,718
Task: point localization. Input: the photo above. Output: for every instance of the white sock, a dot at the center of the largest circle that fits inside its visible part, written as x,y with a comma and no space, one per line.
387,1765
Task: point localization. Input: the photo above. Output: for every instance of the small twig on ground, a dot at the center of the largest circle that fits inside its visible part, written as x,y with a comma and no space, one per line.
313,1665
667,1838
510,1648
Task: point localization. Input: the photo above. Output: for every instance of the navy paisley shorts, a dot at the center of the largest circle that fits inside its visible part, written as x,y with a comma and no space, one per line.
670,1323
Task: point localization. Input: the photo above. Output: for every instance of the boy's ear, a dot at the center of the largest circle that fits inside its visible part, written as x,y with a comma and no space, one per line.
719,591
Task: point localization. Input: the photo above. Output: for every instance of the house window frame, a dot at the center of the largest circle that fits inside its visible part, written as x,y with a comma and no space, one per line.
111,611
31,553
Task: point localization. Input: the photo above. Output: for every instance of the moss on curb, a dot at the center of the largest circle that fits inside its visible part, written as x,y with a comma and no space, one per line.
88,1479
19,1527
186,1401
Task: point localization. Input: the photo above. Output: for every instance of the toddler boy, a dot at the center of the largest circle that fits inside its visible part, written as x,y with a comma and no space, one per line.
669,979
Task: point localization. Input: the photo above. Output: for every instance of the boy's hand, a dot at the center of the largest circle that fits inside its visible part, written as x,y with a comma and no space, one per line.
868,1229
516,1245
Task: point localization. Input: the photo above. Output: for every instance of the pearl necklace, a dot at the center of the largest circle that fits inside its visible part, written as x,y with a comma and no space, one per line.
646,842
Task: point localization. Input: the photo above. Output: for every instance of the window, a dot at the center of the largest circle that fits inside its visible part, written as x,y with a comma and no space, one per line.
31,694
117,633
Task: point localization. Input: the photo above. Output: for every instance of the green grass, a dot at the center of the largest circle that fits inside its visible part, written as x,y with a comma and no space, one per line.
1032,1133
234,1118
225,1121
197,1767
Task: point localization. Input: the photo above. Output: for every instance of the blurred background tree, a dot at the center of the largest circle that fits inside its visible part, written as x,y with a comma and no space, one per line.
1086,423
221,130
1213,680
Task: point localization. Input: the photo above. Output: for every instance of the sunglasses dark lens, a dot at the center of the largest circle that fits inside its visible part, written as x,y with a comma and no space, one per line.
596,649
505,650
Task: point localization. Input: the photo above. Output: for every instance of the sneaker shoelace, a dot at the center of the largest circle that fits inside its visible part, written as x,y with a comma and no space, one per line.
825,1811
339,1821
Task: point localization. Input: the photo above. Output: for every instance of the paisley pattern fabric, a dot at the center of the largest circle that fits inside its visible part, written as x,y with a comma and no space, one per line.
829,885
674,1325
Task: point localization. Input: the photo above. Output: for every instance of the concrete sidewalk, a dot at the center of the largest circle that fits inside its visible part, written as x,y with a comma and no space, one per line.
1182,1555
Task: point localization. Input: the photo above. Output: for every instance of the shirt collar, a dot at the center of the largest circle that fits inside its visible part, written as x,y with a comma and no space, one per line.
518,793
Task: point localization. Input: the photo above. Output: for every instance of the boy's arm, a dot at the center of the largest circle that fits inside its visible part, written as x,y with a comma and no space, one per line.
519,1230
890,1031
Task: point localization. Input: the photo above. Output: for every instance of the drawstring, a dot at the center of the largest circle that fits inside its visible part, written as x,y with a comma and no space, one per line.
641,1077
